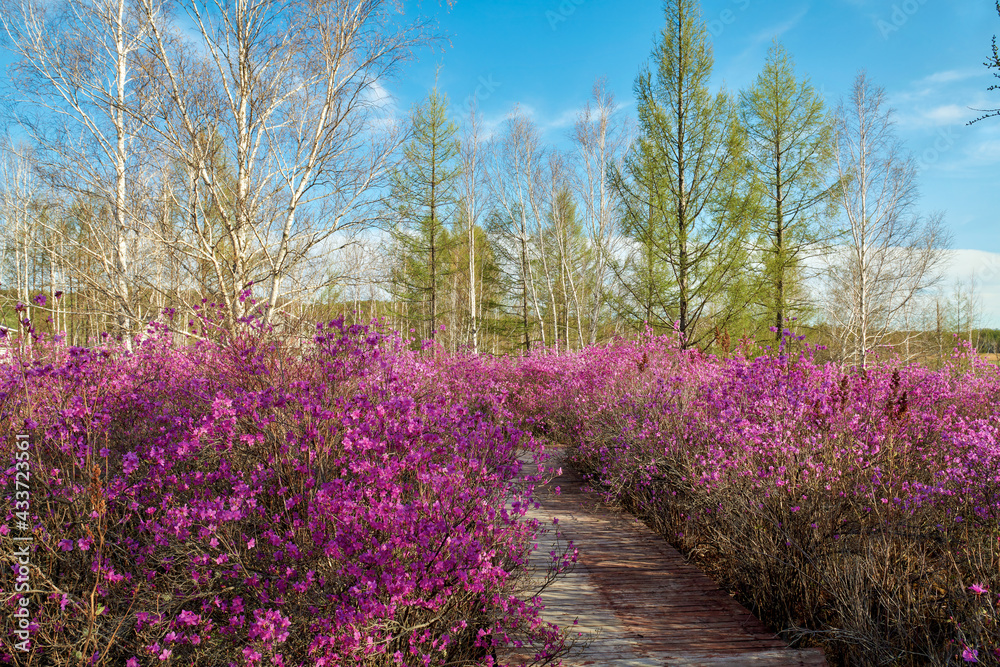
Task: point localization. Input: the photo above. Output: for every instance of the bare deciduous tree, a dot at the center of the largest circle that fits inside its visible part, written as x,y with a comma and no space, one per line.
471,183
601,140
891,254
294,94
514,180
76,65
17,224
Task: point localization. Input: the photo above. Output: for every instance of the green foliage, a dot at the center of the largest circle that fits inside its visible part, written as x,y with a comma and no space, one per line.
988,340
790,142
566,246
423,201
686,204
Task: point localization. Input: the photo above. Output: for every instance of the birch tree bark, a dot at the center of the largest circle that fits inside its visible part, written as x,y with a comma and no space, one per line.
76,63
601,139
892,255
294,92
470,185
513,181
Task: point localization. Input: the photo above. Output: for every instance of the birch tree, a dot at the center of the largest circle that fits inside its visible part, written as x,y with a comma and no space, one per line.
294,89
470,187
75,68
892,254
515,179
18,195
601,139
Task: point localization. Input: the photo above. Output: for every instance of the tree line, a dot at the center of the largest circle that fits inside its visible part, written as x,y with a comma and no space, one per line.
180,151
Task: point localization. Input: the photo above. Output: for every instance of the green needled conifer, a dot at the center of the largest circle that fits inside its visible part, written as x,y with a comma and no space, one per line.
686,201
790,141
424,201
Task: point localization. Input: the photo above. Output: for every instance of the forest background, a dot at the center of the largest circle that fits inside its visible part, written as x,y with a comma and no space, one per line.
415,163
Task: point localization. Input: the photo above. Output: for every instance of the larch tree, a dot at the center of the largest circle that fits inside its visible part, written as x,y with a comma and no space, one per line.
685,204
790,144
571,256
424,200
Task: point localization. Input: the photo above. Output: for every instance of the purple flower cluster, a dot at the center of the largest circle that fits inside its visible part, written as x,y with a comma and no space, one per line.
250,503
806,486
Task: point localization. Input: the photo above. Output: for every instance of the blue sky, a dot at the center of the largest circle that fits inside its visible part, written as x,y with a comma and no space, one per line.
545,55
928,54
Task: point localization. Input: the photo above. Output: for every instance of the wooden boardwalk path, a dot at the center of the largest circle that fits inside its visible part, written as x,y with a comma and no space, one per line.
636,601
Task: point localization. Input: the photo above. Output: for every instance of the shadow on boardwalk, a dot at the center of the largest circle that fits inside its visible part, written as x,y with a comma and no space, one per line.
636,601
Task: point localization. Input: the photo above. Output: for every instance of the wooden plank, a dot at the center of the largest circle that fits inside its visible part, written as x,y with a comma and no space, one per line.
636,601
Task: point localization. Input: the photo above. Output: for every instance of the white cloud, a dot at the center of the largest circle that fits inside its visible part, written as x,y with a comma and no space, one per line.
564,120
982,153
777,30
952,75
948,114
984,268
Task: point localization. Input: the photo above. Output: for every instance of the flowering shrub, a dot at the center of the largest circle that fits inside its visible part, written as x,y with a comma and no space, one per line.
856,510
244,503
347,501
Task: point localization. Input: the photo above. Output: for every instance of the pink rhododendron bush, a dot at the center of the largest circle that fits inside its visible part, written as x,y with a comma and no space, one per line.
248,503
852,509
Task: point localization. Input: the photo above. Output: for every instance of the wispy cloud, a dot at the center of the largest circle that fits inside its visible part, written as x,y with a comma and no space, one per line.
953,75
936,116
935,100
562,121
772,32
778,29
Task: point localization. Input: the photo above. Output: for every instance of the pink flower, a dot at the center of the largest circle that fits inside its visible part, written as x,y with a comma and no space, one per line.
188,617
970,655
978,589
